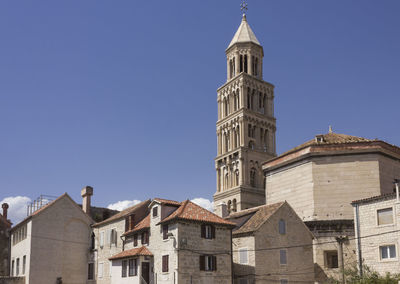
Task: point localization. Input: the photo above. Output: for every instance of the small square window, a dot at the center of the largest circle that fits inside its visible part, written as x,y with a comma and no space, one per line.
387,252
331,259
385,216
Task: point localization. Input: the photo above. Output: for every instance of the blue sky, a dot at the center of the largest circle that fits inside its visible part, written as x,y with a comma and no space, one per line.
121,95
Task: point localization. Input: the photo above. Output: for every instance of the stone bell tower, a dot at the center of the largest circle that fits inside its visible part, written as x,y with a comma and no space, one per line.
246,125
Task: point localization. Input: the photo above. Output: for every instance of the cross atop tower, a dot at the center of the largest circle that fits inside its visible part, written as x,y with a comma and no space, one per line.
243,7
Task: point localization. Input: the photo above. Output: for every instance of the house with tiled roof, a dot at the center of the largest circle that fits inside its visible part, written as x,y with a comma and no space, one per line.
52,243
377,228
271,244
5,226
175,242
320,178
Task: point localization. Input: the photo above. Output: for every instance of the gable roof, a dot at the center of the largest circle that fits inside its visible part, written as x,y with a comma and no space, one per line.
244,34
250,220
51,204
167,202
144,224
189,211
132,252
377,198
124,213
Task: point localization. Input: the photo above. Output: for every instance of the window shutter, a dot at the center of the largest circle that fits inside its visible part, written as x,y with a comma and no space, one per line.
126,224
202,263
135,236
203,231
214,263
147,237
165,265
212,232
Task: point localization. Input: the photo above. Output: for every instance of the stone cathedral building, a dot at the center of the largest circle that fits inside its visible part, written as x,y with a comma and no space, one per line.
246,124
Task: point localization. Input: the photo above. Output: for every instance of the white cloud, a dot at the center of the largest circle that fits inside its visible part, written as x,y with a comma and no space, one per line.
205,203
17,207
121,205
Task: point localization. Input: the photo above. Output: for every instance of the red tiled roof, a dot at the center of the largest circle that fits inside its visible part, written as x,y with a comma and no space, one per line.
332,142
132,252
258,216
144,224
375,198
167,202
193,212
124,213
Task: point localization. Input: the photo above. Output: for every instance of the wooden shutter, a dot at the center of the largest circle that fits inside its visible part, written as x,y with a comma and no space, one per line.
126,224
165,263
202,262
212,232
203,231
165,232
131,221
214,263
147,237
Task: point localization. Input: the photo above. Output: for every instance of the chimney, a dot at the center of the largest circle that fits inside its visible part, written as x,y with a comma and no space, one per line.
223,209
86,193
5,209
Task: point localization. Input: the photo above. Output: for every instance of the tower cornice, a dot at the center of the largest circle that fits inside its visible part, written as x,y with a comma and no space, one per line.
242,78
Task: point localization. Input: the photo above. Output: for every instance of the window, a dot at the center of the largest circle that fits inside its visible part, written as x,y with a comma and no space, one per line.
229,206
165,265
386,252
155,211
17,268
90,271
12,268
23,264
243,281
253,177
101,239
208,263
243,256
124,264
385,216
132,267
165,232
331,259
284,281
282,256
145,238
100,268
135,237
92,241
282,227
234,205
207,231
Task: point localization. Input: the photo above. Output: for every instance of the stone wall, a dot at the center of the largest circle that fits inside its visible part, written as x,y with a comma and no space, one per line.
12,280
4,249
373,236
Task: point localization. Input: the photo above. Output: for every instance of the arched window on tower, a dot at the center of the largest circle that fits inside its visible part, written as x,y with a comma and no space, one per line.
230,69
234,102
225,107
248,98
226,142
245,63
241,64
253,177
229,207
237,177
234,206
252,99
266,137
238,136
226,181
251,145
238,99
266,104
233,64
256,67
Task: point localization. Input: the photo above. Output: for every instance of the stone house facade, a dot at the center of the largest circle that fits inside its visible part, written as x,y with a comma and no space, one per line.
176,242
5,226
271,244
377,223
108,242
52,244
320,179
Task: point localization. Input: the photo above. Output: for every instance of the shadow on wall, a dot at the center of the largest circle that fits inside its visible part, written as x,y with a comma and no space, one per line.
319,274
244,271
12,280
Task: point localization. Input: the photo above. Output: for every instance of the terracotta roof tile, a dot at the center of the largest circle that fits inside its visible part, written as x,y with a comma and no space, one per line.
375,198
167,202
144,224
328,139
193,212
132,252
124,212
250,220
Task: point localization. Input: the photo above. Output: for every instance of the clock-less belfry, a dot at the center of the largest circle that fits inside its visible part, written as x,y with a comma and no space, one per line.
246,124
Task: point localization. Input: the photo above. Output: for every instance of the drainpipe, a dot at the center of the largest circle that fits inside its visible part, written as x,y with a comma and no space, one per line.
360,266
397,182
232,274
